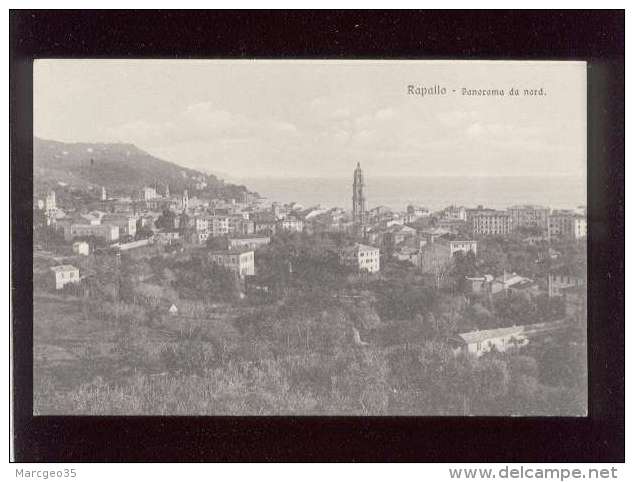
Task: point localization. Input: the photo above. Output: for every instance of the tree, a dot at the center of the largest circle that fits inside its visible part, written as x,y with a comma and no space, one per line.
166,220
464,265
515,309
491,257
217,242
143,232
483,384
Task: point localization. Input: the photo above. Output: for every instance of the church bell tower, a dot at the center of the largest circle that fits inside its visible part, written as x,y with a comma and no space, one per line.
358,199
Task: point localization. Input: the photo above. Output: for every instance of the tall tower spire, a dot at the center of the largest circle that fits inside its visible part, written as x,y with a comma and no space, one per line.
358,199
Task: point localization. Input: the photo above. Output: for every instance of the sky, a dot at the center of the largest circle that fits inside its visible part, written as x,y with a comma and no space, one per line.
246,118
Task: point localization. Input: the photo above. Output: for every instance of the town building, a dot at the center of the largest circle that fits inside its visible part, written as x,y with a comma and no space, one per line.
81,248
567,225
147,220
148,193
139,243
417,211
495,223
199,237
358,198
457,213
379,214
166,237
252,242
107,232
292,224
265,223
513,283
52,217
219,225
125,223
452,225
51,201
463,246
64,274
278,210
90,218
407,253
240,261
397,234
477,285
201,223
557,283
529,216
361,257
479,342
472,212
243,227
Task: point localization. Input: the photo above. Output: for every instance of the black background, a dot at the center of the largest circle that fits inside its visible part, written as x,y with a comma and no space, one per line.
595,36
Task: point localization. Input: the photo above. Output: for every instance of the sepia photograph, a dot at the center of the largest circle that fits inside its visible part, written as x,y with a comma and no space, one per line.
309,237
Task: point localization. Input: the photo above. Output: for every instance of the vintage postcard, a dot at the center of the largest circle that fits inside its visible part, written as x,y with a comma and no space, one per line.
309,237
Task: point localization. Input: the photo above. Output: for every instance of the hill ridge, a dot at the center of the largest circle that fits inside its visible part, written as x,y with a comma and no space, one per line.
120,167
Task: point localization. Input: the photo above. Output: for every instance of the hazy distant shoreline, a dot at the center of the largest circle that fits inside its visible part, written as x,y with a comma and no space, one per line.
436,192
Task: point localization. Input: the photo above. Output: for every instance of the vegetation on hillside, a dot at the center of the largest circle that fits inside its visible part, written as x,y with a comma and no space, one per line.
120,168
322,341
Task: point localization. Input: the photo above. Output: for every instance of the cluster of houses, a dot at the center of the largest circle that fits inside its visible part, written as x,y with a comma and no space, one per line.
571,289
427,240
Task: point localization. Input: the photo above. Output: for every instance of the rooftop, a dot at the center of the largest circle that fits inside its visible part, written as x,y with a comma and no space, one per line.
249,236
491,212
231,251
361,247
63,268
479,336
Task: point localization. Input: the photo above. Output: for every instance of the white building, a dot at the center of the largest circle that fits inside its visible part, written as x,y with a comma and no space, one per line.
50,202
219,225
199,237
558,283
512,282
201,223
529,216
455,213
361,257
91,218
107,232
252,242
292,224
480,342
495,223
81,247
464,246
417,211
148,193
240,261
65,274
567,225
166,237
125,223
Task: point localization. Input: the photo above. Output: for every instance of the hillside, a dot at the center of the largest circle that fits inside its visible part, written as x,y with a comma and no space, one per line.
121,168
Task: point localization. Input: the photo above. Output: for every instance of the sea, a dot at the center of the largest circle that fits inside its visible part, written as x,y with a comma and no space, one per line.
432,192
